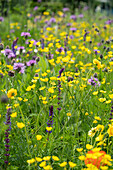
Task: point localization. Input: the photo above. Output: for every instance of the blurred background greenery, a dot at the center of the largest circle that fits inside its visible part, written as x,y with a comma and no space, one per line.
54,5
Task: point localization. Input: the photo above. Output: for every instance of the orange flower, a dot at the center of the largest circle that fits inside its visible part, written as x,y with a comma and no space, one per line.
95,158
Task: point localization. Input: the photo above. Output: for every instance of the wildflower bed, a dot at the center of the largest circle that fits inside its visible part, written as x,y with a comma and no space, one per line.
56,91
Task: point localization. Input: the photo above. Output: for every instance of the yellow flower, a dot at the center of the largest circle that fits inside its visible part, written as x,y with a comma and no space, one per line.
14,114
51,90
25,100
46,158
102,99
68,114
55,158
39,137
79,149
48,128
104,167
48,167
11,93
100,127
88,146
95,121
38,159
82,157
42,164
72,165
86,113
111,96
97,118
99,138
30,161
98,63
19,98
63,164
20,125
95,92
108,101
110,130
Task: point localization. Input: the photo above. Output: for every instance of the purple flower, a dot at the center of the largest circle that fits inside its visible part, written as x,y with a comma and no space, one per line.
7,140
35,8
52,20
26,34
65,9
60,49
14,44
50,121
81,16
93,81
31,63
59,91
6,52
71,36
74,17
20,67
85,35
96,51
69,24
108,22
1,19
73,29
12,31
86,8
11,55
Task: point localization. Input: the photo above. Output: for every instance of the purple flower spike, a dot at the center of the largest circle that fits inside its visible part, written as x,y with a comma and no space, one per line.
7,140
14,44
60,72
50,121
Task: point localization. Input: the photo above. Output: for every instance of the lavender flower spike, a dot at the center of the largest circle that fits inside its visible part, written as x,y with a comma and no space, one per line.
7,132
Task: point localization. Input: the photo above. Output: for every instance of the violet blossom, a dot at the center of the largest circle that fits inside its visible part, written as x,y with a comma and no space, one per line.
31,62
20,67
59,91
7,132
26,34
94,81
50,121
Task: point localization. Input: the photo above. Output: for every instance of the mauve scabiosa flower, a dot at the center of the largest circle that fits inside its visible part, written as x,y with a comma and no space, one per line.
74,17
68,24
6,52
20,67
31,63
1,19
73,29
26,34
65,9
7,132
71,37
52,20
35,8
81,16
93,81
11,55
